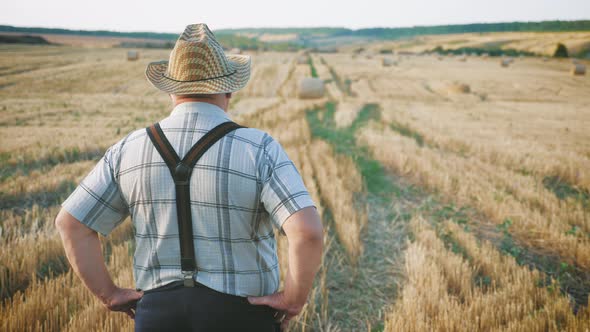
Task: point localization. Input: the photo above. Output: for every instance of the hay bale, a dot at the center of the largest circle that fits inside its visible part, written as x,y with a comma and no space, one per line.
578,70
303,59
458,88
132,55
463,58
235,50
310,88
506,62
388,62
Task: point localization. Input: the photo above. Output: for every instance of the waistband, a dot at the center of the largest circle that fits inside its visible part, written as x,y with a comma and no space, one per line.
171,286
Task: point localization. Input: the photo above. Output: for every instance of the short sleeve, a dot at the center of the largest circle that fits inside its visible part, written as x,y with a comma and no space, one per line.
97,202
283,190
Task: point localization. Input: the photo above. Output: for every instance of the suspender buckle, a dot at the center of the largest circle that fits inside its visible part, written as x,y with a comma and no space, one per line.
189,281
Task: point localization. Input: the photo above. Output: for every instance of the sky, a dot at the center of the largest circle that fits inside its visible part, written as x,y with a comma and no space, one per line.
173,16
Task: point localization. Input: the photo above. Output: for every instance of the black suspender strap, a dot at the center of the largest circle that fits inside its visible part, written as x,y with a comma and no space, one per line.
181,171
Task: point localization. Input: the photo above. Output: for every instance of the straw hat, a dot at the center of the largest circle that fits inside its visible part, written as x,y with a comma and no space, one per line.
198,65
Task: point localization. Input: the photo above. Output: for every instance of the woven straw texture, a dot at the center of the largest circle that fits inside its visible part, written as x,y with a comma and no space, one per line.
198,65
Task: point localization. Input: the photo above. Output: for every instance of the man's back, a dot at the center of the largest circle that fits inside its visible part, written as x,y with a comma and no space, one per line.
239,187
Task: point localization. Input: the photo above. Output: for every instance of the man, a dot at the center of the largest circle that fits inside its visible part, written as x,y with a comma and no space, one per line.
205,257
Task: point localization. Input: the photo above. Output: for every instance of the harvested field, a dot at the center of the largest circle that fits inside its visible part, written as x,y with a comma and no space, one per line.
542,43
455,195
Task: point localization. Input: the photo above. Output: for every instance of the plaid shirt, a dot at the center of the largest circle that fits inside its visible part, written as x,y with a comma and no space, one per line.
242,186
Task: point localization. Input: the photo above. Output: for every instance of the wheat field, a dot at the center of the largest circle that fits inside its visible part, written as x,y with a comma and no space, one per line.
444,209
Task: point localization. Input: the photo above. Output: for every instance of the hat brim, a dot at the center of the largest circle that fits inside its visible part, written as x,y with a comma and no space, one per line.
230,83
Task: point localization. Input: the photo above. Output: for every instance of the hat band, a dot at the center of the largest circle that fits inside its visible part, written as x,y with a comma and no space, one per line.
202,79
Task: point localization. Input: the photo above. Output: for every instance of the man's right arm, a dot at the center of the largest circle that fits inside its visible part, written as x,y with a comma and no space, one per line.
305,236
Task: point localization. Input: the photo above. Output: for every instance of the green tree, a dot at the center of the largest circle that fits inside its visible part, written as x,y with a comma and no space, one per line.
560,51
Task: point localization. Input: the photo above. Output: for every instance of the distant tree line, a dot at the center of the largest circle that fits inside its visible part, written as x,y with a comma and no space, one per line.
24,39
96,33
397,33
302,32
481,51
559,52
231,38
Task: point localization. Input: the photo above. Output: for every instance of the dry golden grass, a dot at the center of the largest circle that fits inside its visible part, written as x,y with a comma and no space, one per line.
346,112
492,190
48,305
270,70
442,292
340,185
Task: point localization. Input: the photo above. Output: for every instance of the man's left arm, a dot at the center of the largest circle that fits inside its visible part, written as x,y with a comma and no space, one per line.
83,250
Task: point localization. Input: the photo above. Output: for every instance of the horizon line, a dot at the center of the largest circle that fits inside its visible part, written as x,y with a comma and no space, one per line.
300,27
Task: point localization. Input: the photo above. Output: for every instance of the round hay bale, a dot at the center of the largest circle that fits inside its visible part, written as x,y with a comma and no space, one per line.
235,50
388,62
458,88
132,55
505,62
545,59
310,88
579,70
463,58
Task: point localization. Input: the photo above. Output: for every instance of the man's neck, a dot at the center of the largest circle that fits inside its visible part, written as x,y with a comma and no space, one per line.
214,100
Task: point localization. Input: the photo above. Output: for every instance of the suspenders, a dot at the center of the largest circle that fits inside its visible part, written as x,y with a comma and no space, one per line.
181,171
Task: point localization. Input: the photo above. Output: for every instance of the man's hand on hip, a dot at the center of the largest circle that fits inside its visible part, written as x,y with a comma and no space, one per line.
278,301
82,247
124,300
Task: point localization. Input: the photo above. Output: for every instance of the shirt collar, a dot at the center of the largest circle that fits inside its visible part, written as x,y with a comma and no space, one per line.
201,108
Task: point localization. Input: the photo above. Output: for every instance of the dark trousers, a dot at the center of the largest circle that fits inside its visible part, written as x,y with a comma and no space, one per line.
176,308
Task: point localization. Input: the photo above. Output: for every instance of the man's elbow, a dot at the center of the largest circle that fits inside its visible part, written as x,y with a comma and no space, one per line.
305,226
314,232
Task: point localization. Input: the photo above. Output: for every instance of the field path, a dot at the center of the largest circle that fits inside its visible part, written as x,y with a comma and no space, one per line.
360,295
